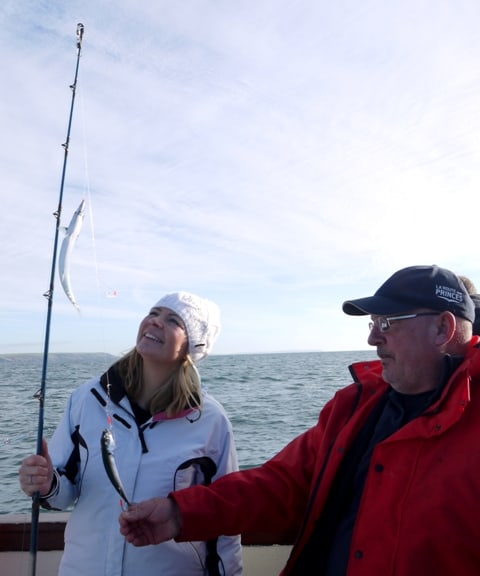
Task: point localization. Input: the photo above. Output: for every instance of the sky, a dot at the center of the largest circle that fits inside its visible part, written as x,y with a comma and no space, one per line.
278,157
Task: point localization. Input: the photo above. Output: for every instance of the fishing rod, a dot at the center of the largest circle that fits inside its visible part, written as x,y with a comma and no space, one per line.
49,296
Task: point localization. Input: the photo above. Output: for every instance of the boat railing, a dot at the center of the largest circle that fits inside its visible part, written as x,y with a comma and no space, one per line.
264,554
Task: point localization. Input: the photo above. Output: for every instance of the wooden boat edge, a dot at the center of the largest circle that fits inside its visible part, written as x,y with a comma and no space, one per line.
263,554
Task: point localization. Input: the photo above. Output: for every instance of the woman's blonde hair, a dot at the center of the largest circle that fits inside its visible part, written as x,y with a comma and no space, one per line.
181,391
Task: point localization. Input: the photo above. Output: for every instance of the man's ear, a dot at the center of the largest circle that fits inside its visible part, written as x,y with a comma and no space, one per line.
446,324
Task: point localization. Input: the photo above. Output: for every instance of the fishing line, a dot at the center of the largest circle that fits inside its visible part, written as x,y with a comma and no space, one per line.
101,286
107,441
89,196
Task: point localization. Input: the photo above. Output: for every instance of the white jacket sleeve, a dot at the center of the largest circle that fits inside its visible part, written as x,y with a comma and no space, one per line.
68,452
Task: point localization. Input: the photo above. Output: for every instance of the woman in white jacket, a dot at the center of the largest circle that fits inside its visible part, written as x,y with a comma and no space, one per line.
168,434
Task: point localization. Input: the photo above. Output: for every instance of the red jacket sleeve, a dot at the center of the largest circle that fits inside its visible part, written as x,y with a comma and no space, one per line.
270,498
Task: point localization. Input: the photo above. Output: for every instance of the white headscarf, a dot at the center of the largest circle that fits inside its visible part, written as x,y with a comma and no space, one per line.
201,318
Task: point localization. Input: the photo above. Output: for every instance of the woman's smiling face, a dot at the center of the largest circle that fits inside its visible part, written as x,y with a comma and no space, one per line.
162,337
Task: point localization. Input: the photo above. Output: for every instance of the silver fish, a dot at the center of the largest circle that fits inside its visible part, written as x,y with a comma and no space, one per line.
71,235
108,444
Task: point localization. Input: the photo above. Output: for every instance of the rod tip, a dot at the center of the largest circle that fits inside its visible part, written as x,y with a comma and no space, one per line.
80,30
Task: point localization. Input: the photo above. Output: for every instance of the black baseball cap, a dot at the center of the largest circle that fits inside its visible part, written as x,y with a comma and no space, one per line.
416,287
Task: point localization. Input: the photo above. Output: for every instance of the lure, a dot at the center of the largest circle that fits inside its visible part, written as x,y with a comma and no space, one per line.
71,235
108,444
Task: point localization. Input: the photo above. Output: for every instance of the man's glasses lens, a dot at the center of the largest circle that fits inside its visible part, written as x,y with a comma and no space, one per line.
383,323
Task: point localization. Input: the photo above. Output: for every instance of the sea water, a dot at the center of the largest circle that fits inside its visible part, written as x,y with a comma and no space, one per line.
270,399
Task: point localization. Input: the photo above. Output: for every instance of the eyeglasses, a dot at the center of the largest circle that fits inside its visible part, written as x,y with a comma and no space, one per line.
383,323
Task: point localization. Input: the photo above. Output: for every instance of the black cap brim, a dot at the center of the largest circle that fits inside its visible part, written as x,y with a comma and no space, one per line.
374,305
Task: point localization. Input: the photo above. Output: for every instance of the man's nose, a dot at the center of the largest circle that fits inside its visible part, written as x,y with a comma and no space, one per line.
375,336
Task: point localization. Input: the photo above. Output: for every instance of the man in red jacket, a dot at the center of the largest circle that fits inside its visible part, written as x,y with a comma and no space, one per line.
387,483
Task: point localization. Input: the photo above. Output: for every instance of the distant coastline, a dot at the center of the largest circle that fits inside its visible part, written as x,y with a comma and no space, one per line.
57,356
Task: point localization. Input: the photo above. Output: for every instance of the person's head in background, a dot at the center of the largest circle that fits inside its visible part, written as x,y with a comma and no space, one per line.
475,296
469,285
